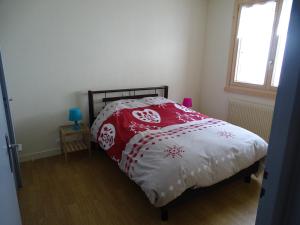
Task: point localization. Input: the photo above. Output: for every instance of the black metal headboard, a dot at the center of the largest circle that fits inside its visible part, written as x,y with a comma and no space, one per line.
132,93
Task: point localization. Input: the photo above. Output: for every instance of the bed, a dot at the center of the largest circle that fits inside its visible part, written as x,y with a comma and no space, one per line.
166,148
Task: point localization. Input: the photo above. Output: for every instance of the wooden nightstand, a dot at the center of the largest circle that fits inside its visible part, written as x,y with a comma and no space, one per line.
74,140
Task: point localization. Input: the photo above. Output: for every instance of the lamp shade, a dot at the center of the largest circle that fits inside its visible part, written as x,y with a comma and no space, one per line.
187,102
75,114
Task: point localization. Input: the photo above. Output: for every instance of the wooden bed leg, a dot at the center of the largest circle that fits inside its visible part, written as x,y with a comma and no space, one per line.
247,179
164,213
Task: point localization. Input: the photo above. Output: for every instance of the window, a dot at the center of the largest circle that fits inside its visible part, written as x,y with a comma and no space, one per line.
258,43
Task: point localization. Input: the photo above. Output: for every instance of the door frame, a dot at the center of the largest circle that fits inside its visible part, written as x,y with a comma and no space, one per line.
280,190
6,101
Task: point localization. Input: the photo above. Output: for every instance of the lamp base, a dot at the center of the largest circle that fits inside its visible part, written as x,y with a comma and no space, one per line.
76,126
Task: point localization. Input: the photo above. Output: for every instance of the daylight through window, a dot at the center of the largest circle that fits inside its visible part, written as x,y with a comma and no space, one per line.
259,39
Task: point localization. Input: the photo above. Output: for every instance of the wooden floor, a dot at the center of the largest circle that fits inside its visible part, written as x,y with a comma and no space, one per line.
94,191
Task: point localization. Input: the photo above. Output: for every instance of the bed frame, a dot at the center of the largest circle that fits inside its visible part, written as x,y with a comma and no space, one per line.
129,93
138,93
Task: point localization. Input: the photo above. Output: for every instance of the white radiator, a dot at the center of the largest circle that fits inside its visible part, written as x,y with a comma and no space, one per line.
252,116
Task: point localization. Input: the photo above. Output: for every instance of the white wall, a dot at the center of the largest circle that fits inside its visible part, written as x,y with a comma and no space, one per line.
214,100
55,50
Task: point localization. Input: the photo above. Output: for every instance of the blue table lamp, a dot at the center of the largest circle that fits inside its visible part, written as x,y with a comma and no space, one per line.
75,115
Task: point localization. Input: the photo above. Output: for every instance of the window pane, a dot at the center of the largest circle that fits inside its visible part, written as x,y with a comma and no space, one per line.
281,35
254,37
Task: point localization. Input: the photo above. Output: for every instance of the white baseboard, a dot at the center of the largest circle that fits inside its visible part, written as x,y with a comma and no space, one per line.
38,155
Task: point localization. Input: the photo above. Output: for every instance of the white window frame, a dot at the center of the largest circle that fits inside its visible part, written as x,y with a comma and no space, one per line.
265,90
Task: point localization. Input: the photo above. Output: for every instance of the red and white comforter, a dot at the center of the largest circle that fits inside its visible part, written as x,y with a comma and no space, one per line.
167,148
